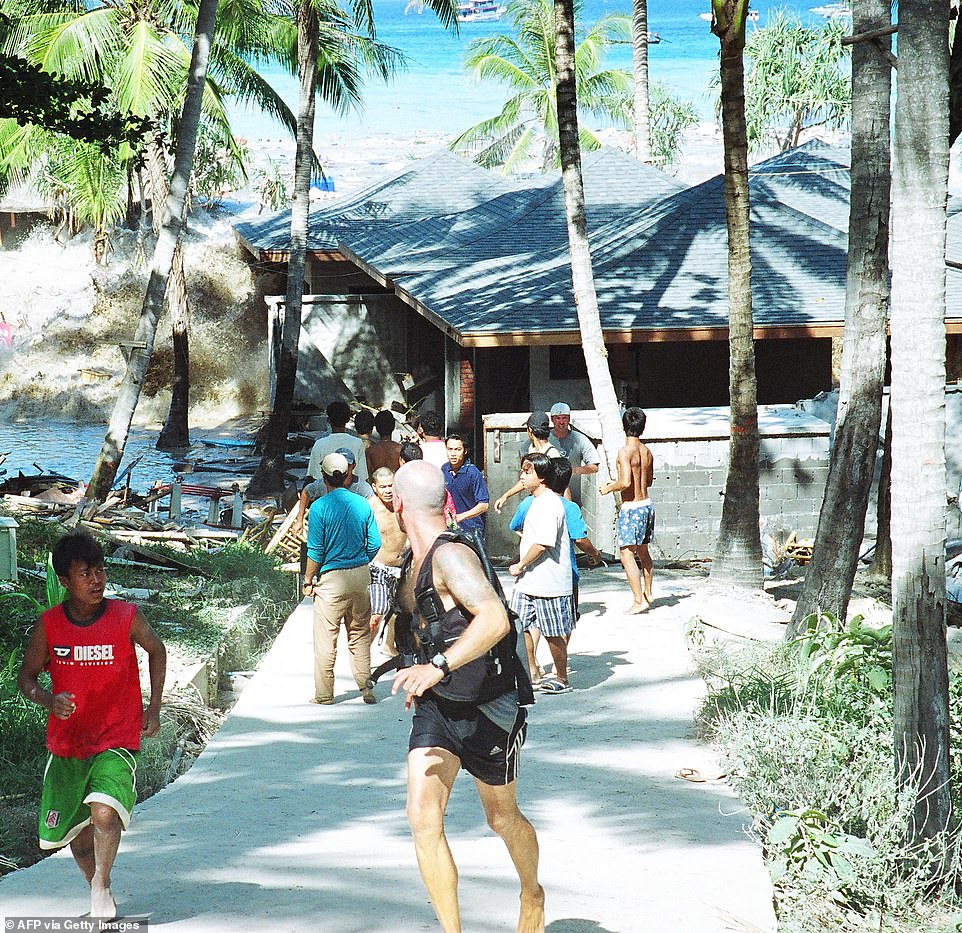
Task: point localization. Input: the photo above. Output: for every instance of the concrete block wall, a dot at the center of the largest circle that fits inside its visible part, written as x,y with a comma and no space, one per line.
690,450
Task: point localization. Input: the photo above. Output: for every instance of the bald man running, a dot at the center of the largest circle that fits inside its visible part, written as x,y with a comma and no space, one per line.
484,738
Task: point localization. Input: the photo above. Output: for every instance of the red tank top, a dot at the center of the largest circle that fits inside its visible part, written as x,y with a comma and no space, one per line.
97,663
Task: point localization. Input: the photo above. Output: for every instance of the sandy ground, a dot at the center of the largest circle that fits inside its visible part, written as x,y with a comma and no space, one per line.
293,817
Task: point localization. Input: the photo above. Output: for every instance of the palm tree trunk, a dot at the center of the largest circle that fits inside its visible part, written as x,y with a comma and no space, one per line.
113,448
175,432
919,193
269,477
841,522
639,46
582,277
738,552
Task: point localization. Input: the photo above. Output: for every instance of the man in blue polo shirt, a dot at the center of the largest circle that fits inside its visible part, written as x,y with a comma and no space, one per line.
342,539
467,488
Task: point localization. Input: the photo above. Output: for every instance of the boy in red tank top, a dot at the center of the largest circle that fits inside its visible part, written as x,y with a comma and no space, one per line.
97,716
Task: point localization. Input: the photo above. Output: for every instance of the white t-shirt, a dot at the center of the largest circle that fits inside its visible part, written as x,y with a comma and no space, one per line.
545,524
331,444
550,451
435,452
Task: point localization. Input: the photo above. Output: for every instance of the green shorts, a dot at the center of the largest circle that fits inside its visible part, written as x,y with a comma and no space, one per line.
71,784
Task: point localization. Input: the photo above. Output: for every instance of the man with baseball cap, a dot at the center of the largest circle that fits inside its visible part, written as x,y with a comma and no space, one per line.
574,445
538,443
342,539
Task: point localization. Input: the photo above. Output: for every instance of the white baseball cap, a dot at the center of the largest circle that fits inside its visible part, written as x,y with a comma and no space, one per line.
334,464
559,408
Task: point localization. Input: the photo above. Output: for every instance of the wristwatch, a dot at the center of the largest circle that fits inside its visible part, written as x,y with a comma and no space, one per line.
441,663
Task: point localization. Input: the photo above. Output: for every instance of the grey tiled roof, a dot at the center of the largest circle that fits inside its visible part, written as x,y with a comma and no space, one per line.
661,266
516,227
489,256
442,183
813,179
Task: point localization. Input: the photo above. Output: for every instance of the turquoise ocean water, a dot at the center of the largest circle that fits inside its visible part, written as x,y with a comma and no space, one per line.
434,95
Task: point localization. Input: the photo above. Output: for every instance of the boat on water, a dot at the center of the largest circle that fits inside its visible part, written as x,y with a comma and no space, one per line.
833,10
480,11
653,38
751,16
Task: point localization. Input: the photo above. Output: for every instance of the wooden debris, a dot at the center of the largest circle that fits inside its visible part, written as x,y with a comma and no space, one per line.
285,542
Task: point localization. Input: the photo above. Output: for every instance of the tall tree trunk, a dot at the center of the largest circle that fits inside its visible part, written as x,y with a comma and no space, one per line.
841,522
113,448
881,567
919,193
639,47
582,277
176,432
738,552
269,477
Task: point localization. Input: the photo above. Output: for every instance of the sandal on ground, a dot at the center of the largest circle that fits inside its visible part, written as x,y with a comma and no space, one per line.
696,777
553,685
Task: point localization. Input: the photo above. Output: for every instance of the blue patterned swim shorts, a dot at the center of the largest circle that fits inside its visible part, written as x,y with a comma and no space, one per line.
636,523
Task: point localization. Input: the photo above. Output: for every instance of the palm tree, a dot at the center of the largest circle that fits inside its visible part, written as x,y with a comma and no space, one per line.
841,522
639,51
525,64
137,50
738,554
797,80
582,275
919,192
269,476
112,451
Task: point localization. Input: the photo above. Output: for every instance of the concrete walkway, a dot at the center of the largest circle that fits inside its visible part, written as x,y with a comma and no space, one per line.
293,818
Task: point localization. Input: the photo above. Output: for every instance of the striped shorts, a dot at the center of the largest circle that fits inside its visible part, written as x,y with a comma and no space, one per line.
383,584
553,616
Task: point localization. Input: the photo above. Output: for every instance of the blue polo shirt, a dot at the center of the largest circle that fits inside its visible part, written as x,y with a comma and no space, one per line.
467,488
573,519
341,531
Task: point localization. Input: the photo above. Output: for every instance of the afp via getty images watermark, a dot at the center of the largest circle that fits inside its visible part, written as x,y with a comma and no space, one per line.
76,925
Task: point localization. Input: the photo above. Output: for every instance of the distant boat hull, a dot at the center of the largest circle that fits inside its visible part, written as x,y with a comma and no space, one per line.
226,442
480,11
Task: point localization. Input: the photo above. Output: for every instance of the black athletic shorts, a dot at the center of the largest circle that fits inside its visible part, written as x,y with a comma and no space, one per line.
484,749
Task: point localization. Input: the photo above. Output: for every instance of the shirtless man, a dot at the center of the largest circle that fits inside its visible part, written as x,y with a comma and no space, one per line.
636,519
386,566
483,738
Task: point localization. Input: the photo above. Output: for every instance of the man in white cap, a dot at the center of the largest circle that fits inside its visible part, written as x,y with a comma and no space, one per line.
574,445
342,539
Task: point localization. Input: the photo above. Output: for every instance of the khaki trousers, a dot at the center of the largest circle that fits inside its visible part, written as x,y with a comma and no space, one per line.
342,595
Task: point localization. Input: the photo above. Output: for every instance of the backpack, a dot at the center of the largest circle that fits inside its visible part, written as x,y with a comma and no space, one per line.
433,629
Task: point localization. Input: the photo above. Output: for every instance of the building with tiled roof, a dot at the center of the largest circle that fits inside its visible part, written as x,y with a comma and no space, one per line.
459,279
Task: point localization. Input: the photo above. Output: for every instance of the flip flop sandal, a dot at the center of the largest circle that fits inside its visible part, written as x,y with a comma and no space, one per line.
553,685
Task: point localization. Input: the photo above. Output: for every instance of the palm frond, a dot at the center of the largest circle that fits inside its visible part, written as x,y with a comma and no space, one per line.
78,47
143,74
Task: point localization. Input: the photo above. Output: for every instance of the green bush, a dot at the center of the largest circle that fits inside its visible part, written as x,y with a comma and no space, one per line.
806,731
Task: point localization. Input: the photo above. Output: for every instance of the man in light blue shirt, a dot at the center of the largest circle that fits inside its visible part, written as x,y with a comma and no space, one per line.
342,539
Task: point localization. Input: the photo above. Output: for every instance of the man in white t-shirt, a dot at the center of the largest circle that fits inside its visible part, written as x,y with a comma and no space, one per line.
542,595
431,434
338,415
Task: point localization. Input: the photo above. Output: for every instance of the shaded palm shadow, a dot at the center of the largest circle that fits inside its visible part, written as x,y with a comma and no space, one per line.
576,925
596,669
